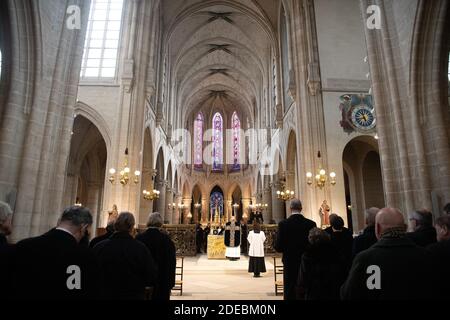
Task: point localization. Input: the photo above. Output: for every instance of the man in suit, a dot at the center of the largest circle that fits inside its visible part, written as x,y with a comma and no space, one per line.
394,268
54,265
107,235
163,251
292,240
367,238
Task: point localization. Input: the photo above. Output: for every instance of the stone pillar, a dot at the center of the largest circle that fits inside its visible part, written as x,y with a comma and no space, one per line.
278,210
160,203
93,200
176,211
246,207
267,198
186,209
229,210
70,191
205,210
169,200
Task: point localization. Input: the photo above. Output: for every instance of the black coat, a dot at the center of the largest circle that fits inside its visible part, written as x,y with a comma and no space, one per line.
292,241
99,239
440,252
5,267
364,241
343,241
41,266
164,254
424,236
127,266
322,273
405,272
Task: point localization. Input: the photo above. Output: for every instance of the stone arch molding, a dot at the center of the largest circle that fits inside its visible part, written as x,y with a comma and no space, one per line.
92,115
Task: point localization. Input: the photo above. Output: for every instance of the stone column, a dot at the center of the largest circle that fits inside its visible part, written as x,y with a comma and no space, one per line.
169,200
160,203
93,200
176,211
278,210
205,210
246,207
187,208
267,198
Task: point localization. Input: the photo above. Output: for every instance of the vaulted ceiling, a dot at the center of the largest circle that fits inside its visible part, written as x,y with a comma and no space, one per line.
219,46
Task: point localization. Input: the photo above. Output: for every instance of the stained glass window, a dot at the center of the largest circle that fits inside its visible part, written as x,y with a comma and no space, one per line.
102,39
198,140
217,152
236,128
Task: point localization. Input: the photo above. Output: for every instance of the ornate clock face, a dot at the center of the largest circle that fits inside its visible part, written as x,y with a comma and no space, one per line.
363,117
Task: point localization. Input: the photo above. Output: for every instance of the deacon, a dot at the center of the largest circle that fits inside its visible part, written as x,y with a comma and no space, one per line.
233,240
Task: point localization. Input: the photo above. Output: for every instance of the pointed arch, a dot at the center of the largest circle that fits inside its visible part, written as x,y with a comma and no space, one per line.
217,151
198,140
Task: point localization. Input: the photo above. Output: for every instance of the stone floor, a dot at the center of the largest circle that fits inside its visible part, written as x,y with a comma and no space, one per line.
225,280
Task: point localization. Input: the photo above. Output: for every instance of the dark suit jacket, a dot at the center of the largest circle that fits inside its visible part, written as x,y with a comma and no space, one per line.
5,268
163,251
322,273
440,252
405,272
127,266
364,241
41,268
292,241
99,239
423,236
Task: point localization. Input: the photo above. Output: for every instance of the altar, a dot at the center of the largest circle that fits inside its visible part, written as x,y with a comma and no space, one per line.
216,247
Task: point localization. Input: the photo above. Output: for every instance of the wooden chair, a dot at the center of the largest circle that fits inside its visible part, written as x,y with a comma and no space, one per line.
179,275
278,273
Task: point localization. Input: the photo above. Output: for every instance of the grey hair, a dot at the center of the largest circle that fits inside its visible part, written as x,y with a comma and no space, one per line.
77,216
125,222
5,212
318,236
155,220
371,214
296,205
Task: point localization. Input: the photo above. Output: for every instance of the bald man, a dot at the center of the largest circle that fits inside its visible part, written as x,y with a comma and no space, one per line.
393,268
367,238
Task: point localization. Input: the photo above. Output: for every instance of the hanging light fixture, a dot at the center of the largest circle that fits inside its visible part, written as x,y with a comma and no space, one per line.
321,178
153,194
124,173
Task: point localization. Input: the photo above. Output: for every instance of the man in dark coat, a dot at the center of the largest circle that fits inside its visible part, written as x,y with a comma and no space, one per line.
5,249
292,240
367,238
127,265
164,254
440,252
199,237
54,265
392,269
322,271
422,222
107,235
342,239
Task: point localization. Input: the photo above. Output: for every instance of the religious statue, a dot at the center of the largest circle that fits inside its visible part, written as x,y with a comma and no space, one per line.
113,214
324,213
233,239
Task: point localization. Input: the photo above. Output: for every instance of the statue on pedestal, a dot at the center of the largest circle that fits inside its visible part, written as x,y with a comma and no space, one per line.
113,214
324,213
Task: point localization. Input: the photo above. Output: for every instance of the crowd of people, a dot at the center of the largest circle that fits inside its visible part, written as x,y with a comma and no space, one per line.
63,264
384,262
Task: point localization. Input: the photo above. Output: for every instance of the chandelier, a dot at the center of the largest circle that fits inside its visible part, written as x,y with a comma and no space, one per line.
285,195
321,178
258,206
153,194
124,173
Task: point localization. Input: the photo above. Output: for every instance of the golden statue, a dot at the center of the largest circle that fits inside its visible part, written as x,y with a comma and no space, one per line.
324,213
113,214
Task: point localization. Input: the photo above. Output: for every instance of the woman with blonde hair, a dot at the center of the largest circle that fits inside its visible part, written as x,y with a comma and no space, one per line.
256,238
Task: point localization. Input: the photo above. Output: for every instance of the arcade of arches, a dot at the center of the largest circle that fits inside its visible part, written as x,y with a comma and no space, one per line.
216,105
